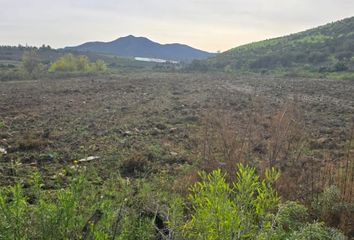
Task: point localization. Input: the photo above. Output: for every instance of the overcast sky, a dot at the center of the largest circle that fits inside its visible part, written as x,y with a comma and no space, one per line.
206,24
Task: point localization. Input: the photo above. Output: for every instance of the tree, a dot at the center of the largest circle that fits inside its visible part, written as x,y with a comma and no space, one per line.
83,63
66,63
100,66
30,61
71,63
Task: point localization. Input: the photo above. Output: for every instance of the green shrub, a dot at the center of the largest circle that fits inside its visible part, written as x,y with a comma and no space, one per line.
249,208
71,63
100,66
117,208
2,124
242,210
35,213
317,231
327,203
291,217
13,213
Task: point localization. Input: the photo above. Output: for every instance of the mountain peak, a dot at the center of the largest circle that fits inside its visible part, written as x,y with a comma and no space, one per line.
132,46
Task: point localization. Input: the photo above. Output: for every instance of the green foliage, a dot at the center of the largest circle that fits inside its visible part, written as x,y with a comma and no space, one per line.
242,210
248,208
2,124
291,217
317,231
62,214
325,49
327,200
143,228
100,66
13,213
71,63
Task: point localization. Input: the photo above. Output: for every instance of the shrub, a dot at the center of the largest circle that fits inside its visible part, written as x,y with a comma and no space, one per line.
327,203
66,63
100,66
71,63
121,208
242,210
2,124
13,213
30,61
248,208
317,231
82,210
291,217
12,74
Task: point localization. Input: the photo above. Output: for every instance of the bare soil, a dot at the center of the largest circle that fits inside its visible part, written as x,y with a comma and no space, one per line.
51,123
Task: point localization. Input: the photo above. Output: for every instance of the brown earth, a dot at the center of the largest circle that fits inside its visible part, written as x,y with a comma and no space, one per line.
51,123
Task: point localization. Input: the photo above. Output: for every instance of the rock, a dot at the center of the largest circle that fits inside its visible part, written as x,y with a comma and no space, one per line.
173,153
322,140
173,130
127,133
89,159
3,151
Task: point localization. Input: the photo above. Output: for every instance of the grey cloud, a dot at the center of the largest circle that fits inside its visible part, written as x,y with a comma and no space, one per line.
209,24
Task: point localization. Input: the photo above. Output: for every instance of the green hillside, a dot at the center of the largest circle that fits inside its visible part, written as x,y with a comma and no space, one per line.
325,49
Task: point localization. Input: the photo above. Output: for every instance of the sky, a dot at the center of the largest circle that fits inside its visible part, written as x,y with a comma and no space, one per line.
211,25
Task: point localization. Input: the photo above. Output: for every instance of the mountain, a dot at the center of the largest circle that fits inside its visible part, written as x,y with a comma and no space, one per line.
329,48
131,46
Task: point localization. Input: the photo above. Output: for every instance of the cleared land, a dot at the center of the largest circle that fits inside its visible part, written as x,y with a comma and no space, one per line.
53,122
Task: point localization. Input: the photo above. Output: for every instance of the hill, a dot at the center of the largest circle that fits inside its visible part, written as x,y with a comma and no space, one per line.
329,48
131,46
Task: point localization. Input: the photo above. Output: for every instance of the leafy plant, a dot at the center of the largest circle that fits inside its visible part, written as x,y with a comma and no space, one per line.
13,213
317,231
2,124
242,210
71,63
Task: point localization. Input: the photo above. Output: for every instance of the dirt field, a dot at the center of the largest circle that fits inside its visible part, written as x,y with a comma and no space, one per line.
49,124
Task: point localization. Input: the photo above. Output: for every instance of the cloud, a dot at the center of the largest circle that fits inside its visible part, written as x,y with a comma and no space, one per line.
207,24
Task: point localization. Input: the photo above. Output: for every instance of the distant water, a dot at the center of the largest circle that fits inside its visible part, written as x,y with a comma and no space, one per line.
156,60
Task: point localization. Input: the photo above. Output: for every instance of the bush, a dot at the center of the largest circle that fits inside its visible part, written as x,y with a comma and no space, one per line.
317,231
244,209
340,67
291,217
327,203
89,208
100,66
71,63
30,61
248,208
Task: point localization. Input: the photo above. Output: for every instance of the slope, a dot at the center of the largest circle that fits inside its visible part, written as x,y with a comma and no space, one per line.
329,48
